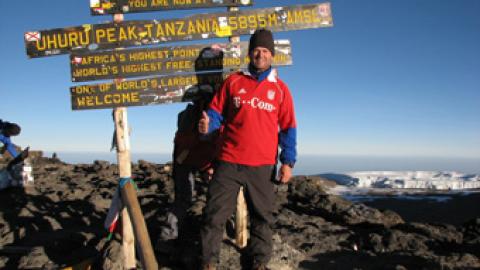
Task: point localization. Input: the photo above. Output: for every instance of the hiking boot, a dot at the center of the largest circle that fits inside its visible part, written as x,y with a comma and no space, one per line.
169,228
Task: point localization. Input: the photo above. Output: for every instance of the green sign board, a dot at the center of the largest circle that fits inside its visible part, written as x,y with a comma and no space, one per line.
166,60
93,37
102,7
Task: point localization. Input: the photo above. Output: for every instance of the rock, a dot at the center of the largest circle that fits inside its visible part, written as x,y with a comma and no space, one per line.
145,165
285,257
167,168
34,155
471,231
36,259
395,240
443,233
307,187
54,224
360,213
112,256
3,262
335,208
459,261
100,164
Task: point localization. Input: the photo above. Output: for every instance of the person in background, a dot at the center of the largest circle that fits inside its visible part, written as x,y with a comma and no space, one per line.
8,130
191,155
255,109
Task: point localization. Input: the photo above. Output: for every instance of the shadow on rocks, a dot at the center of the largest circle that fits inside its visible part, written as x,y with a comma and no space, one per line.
363,260
43,233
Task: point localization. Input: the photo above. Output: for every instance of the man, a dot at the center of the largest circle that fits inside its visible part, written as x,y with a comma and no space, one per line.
190,155
8,130
256,111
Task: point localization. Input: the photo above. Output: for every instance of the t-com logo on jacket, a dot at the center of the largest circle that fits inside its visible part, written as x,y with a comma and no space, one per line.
255,103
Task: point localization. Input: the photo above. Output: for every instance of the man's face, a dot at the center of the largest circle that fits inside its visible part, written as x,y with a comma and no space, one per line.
261,58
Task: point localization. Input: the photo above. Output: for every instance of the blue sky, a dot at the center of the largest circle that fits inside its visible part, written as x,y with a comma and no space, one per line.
391,78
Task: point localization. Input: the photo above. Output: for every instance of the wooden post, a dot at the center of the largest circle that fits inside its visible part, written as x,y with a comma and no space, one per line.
129,197
125,170
241,216
241,221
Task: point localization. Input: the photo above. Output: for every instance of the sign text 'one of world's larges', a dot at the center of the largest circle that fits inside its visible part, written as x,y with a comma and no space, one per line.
145,91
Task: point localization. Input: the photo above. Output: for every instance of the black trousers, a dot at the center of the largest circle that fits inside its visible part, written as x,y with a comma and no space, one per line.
221,204
184,183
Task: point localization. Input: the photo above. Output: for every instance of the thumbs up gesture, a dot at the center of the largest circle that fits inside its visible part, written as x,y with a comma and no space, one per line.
203,123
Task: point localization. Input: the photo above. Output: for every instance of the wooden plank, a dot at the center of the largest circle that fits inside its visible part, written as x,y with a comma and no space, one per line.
166,60
142,239
128,237
102,7
92,37
241,220
145,91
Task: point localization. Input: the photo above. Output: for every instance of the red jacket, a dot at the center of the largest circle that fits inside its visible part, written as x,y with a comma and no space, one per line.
252,113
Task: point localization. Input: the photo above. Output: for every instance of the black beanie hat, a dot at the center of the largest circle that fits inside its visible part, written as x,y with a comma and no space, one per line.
262,38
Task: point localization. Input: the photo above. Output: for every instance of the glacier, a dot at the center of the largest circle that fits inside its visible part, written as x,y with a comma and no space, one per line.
425,180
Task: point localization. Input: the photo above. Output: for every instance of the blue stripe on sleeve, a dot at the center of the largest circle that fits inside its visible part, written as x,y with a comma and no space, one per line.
288,142
10,147
216,120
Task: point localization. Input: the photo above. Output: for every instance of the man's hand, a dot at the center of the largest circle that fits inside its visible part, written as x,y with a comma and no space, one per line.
203,123
210,173
207,174
284,173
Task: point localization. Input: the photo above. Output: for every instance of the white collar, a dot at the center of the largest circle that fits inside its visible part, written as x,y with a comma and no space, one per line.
272,77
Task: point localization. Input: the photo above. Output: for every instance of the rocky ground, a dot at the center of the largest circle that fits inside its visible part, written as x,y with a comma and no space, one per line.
59,222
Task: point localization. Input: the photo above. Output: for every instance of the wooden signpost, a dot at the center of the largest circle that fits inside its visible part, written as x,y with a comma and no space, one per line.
102,7
165,60
122,138
90,61
134,229
91,37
